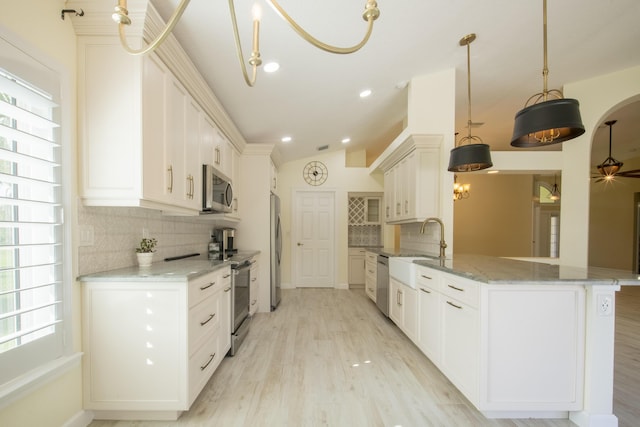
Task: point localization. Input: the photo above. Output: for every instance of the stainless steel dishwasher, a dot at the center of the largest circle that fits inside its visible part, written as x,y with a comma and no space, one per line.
382,284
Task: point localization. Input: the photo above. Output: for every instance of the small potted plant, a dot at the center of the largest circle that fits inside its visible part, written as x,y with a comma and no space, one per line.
145,251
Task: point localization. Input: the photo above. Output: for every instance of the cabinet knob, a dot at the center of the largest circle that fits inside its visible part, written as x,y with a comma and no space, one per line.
300,244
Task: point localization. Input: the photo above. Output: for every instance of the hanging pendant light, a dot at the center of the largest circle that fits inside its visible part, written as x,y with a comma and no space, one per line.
610,166
475,155
546,121
555,192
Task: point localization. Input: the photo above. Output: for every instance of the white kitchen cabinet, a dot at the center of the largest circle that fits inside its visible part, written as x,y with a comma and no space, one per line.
151,346
510,349
460,347
403,307
139,130
429,313
356,266
412,186
371,271
254,288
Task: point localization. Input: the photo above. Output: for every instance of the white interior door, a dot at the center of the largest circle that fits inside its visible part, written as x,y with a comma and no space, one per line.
314,239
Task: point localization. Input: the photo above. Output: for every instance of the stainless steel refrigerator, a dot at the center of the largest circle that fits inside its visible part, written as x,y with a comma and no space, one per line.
276,251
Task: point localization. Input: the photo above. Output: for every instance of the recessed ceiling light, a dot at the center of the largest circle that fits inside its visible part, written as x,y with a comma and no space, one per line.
271,67
346,140
365,93
286,139
493,171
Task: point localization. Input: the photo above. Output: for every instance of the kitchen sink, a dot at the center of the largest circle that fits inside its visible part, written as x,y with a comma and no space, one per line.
403,269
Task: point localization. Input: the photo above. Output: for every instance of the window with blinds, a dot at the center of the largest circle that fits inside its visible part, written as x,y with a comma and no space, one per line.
31,231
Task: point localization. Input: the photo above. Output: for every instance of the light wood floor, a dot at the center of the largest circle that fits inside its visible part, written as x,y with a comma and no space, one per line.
329,358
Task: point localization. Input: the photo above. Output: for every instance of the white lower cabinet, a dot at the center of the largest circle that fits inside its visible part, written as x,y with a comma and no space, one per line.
150,347
371,274
254,287
513,350
403,307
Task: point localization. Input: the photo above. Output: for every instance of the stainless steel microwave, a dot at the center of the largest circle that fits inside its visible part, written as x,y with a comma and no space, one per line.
217,192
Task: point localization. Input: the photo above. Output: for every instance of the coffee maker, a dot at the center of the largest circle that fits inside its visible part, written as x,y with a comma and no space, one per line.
225,236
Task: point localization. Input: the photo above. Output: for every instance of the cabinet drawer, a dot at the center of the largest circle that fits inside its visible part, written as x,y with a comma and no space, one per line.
202,365
428,277
203,287
370,257
461,289
204,319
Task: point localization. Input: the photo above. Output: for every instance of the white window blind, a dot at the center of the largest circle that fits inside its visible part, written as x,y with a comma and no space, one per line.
31,230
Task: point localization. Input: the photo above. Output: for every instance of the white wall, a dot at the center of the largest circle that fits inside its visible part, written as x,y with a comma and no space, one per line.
342,180
598,97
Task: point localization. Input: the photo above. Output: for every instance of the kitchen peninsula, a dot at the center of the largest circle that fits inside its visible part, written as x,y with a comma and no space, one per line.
519,339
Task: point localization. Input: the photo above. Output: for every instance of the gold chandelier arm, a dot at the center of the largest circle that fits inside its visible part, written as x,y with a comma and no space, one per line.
121,17
255,60
370,14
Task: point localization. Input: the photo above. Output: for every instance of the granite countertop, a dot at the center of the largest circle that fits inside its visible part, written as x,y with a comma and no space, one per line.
168,271
496,270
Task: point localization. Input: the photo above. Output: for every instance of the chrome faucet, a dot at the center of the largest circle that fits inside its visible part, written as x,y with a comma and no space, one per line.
443,244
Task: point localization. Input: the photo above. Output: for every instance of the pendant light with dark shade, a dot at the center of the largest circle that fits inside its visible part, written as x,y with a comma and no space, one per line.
546,121
475,155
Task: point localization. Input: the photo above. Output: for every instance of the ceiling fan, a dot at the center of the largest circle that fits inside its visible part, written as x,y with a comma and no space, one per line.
610,168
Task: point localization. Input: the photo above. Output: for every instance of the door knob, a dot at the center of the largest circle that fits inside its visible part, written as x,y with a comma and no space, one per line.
300,244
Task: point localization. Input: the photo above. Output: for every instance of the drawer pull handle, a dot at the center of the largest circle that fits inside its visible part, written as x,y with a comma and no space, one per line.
228,289
202,368
425,291
226,276
211,316
457,289
254,302
202,288
454,305
371,271
426,277
254,279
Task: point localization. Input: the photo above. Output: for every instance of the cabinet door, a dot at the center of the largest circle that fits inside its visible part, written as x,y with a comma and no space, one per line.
428,336
389,195
395,302
207,140
225,310
410,195
372,210
410,309
153,127
460,338
174,160
192,195
356,269
400,190
253,288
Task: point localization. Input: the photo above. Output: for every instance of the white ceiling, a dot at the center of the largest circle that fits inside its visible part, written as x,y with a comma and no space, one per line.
314,97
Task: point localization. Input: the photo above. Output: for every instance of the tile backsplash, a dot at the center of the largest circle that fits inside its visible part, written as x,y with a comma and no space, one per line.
412,240
365,235
117,232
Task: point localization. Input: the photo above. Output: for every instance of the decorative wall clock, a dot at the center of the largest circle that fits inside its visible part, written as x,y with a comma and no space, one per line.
315,173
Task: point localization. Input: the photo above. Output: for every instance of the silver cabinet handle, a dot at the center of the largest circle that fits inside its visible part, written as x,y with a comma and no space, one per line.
387,211
202,288
254,279
426,277
406,206
193,186
228,289
254,302
425,291
457,289
170,170
211,316
400,298
454,305
202,368
226,276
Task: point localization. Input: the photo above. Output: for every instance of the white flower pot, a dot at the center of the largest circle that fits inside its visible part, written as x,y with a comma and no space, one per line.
144,258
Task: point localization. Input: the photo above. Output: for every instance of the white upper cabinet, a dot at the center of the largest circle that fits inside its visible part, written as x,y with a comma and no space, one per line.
412,181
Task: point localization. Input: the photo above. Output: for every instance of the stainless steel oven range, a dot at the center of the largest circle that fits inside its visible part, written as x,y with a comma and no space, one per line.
239,304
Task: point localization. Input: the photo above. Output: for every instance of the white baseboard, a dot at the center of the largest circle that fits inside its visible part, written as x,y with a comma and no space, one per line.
81,419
